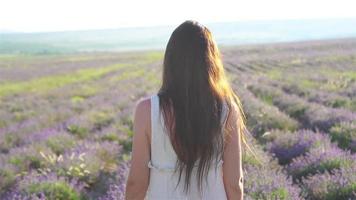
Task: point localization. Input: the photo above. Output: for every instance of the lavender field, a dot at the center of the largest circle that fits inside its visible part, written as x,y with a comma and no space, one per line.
66,120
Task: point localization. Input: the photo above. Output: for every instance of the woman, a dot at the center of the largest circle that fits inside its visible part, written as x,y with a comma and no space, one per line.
187,137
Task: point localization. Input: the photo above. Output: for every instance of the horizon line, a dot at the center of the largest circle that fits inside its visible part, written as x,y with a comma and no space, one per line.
9,31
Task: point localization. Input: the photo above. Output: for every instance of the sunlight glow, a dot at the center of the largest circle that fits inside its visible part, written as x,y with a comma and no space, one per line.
60,15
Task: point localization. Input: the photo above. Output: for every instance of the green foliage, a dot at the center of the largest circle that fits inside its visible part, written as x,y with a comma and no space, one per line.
60,143
280,193
71,166
7,178
129,74
85,90
58,190
321,167
26,161
101,119
48,83
267,98
127,125
124,141
249,159
154,56
275,74
126,144
80,132
344,134
77,99
341,193
10,140
111,137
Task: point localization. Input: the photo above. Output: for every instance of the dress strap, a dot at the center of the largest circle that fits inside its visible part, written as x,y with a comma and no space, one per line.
162,154
154,117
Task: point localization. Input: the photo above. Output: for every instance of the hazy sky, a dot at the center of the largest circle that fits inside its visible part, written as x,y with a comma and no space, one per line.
60,15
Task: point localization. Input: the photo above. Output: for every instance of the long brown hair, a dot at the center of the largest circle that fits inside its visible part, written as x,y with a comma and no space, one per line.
193,90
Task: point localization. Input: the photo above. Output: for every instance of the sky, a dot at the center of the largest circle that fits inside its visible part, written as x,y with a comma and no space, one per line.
63,15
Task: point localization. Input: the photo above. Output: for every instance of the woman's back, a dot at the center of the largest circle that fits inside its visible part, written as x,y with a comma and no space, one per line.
163,180
188,110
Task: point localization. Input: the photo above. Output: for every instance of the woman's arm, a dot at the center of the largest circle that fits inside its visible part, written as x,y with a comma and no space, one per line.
138,180
232,165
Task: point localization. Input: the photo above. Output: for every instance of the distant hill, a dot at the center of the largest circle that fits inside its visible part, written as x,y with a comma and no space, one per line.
123,39
143,38
6,31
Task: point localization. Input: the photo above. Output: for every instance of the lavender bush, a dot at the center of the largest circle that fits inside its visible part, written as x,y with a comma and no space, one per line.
48,186
7,175
337,184
318,161
117,190
81,130
262,117
292,106
287,145
264,183
326,98
85,162
27,158
264,178
311,115
345,135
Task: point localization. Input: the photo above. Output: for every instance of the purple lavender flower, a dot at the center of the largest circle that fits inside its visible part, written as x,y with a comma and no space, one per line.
320,160
311,115
262,117
265,183
345,134
287,146
337,184
117,190
50,186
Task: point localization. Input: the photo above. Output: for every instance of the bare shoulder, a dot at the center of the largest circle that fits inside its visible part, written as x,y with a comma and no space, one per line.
142,116
143,105
233,115
232,124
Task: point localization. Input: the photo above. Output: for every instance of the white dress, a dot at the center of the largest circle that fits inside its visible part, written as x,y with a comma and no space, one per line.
163,158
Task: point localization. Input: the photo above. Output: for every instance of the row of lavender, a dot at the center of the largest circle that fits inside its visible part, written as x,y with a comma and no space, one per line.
316,164
62,157
76,142
84,151
310,129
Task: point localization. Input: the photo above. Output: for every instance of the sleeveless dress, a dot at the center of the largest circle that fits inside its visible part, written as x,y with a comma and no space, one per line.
163,158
